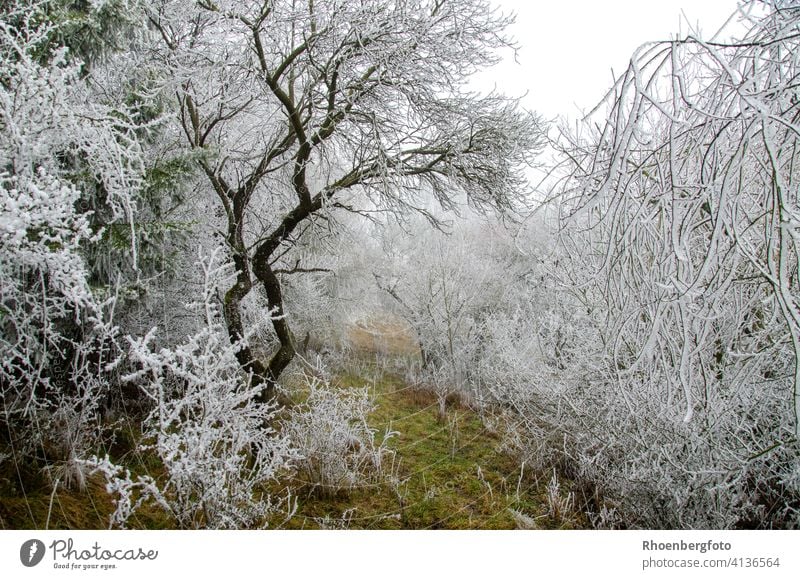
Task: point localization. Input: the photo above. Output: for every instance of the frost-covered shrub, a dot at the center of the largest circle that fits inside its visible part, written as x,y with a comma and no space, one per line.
447,288
56,340
331,434
208,429
680,241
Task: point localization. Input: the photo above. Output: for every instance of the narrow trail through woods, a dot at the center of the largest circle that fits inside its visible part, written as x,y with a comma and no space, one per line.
443,470
447,471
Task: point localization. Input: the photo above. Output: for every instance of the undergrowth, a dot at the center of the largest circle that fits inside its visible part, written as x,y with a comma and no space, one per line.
437,472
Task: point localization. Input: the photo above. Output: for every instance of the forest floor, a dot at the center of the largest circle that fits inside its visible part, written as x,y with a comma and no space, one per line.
448,471
442,470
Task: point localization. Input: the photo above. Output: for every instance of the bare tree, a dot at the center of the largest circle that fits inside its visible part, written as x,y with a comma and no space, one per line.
298,109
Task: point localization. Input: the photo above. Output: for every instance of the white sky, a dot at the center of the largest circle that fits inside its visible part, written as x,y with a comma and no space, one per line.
568,48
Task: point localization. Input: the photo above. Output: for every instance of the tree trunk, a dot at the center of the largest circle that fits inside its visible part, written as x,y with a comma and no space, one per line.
233,321
286,352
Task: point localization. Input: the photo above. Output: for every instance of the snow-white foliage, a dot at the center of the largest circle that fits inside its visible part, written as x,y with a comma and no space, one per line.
453,289
54,342
129,494
681,238
211,434
649,353
652,356
330,431
326,301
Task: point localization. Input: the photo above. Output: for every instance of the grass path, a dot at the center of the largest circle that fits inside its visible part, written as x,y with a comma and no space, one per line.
444,472
447,473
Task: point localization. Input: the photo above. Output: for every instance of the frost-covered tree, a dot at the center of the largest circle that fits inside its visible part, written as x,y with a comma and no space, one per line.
681,213
447,287
298,110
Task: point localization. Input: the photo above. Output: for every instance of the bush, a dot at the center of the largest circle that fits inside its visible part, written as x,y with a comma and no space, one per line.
331,434
207,428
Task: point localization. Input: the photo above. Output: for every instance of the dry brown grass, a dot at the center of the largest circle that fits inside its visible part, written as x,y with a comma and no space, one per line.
386,335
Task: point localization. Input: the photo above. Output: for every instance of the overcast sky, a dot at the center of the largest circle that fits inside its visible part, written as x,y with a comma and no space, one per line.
569,47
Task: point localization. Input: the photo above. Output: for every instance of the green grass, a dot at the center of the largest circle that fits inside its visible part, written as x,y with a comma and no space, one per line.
448,473
30,500
444,472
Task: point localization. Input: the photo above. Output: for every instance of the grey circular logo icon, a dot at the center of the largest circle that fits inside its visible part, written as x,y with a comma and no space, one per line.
31,553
